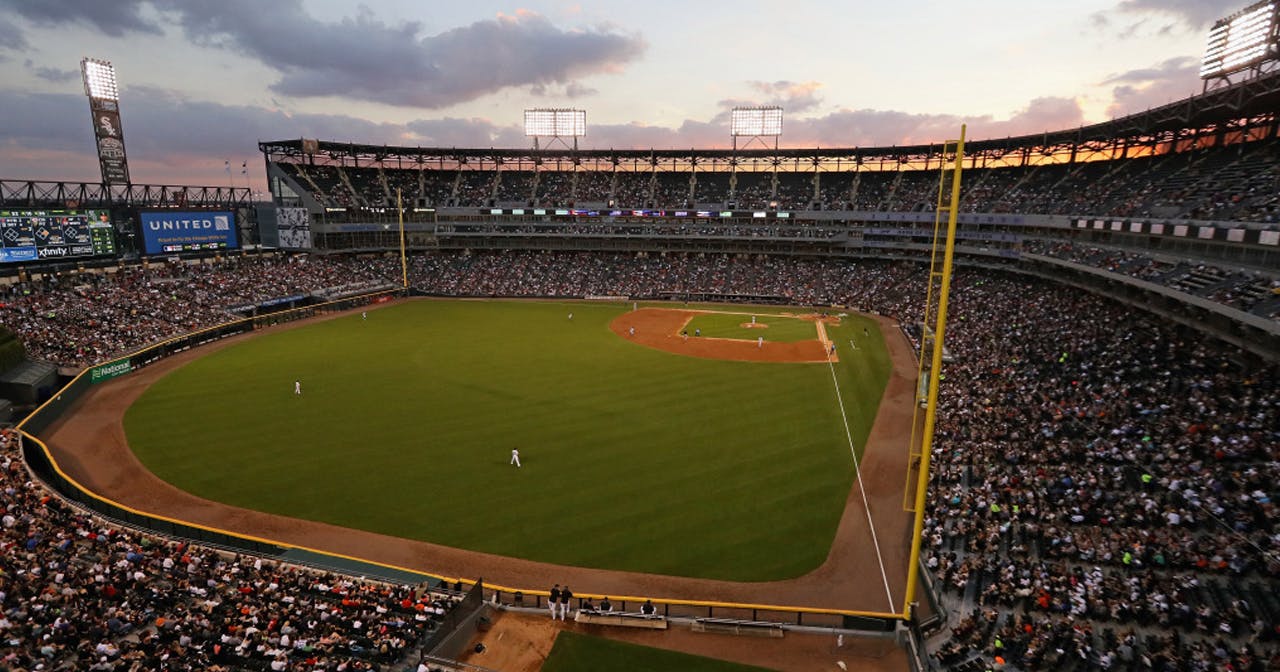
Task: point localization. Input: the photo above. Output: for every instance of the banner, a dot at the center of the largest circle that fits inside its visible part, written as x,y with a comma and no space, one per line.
110,370
169,232
110,137
294,228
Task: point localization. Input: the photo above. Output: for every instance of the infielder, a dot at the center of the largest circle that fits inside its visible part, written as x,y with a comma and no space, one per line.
760,342
515,456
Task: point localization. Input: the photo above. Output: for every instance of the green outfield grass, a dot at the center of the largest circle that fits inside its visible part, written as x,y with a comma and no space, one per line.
582,653
634,459
729,325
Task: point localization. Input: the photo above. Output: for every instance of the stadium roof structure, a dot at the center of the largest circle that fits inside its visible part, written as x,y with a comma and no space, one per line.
1242,106
37,193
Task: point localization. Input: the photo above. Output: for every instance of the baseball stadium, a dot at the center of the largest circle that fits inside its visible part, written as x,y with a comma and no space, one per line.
972,404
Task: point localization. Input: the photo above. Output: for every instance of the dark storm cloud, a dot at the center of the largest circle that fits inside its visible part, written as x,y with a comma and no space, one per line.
112,17
366,58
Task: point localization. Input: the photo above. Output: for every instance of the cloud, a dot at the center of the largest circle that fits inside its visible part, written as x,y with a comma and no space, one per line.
793,97
49,136
56,75
1145,88
46,131
365,58
1192,13
11,36
114,18
361,57
471,132
1185,15
572,90
575,90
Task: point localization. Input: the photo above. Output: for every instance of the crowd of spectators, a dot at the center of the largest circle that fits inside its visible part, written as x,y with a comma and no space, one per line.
1233,183
1103,488
1250,291
594,186
752,191
1103,483
528,273
78,593
515,187
83,318
555,187
626,229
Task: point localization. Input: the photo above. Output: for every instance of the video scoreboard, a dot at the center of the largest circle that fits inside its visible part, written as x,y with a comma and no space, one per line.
49,235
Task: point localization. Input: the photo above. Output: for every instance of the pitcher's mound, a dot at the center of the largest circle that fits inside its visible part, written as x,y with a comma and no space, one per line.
659,328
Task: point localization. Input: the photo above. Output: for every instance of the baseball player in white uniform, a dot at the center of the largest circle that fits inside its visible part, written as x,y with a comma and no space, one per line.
515,456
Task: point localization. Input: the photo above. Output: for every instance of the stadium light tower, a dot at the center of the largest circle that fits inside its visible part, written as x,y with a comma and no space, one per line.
756,124
1245,42
104,109
555,124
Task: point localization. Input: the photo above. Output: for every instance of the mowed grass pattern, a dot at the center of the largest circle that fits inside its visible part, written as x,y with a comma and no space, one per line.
573,652
634,459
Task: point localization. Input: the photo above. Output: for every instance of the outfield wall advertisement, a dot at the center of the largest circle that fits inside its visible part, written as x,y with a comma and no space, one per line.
168,232
110,370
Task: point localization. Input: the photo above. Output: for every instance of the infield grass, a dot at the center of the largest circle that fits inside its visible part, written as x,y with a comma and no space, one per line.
634,459
775,328
573,652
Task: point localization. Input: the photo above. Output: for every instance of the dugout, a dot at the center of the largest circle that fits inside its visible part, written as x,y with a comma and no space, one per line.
29,382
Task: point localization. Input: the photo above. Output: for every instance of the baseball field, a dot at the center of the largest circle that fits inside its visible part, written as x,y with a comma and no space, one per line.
640,449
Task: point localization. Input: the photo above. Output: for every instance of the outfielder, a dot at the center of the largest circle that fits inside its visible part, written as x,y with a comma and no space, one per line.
297,387
515,456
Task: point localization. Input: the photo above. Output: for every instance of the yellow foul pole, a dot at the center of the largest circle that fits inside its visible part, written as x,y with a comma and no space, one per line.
404,264
913,569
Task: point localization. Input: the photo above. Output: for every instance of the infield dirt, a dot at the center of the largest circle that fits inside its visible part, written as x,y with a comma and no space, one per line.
659,328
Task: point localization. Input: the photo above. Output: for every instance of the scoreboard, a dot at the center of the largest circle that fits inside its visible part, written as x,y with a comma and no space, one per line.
49,235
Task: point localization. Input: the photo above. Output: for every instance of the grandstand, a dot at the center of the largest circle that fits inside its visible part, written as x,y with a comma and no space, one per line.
1176,207
1104,474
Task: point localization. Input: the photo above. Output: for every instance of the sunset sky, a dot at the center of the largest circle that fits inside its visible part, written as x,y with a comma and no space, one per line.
202,82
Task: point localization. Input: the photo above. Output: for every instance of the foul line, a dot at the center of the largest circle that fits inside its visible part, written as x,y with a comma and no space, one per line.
857,470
